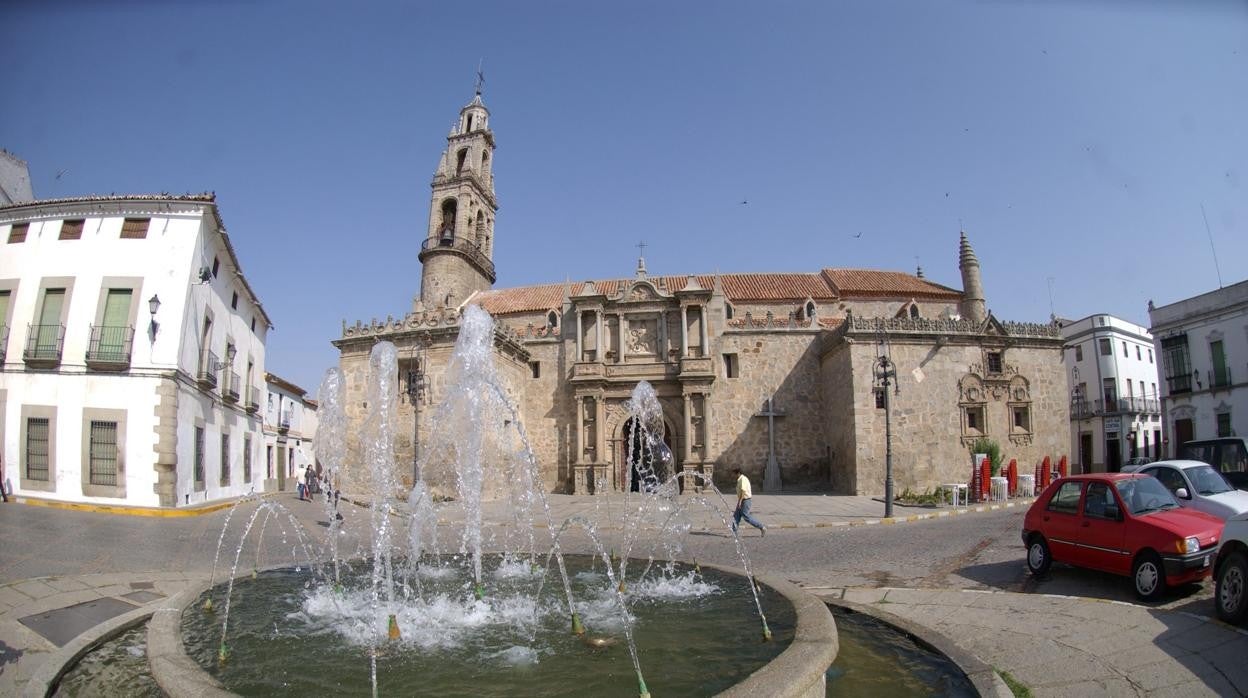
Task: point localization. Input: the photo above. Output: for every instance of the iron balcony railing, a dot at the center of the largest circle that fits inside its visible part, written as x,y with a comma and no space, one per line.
110,347
252,401
1081,409
1179,384
232,384
44,344
462,246
283,423
208,370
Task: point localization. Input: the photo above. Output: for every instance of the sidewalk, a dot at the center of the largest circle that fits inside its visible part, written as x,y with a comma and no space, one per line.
1056,645
1070,646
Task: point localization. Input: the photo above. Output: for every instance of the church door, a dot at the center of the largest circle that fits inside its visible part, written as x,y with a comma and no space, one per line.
643,470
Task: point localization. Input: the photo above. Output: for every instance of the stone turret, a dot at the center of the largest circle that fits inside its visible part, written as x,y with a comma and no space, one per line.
457,255
973,305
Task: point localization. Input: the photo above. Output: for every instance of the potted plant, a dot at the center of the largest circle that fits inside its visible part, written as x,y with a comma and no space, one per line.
987,447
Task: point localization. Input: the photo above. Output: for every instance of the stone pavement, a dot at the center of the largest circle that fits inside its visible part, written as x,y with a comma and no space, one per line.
1056,645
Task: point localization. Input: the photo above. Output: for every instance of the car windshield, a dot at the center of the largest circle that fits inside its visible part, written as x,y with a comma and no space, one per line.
1145,494
1207,481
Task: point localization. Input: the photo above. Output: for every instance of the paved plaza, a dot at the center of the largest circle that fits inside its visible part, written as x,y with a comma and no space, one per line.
956,573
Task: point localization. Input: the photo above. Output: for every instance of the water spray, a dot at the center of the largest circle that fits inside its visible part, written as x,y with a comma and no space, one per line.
766,630
577,628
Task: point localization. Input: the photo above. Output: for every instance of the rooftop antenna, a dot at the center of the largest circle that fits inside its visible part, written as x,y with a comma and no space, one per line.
1052,312
1211,247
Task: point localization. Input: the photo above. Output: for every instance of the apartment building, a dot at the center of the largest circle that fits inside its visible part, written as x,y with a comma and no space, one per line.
1115,413
1203,343
289,432
133,350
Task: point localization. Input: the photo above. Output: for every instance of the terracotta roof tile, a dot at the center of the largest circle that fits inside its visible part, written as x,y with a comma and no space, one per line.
876,284
739,288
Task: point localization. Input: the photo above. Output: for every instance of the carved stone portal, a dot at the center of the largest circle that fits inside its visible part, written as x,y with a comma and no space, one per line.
642,337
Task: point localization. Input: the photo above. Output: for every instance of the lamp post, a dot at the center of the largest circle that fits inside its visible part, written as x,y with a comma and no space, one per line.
885,375
416,393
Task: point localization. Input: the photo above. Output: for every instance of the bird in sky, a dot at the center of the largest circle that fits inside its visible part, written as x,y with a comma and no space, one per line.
859,234
61,173
744,202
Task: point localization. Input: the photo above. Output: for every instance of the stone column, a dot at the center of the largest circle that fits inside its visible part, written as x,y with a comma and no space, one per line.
598,350
688,430
580,339
662,341
684,330
600,461
619,337
702,329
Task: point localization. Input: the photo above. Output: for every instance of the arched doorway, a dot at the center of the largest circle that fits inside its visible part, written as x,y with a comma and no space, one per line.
637,458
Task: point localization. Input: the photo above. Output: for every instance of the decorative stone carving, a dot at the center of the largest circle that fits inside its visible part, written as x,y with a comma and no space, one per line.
642,337
1020,389
971,389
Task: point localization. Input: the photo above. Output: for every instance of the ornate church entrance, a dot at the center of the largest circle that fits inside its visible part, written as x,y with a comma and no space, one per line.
645,468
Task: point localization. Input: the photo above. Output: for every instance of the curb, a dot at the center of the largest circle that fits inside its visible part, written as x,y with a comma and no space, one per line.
981,675
125,510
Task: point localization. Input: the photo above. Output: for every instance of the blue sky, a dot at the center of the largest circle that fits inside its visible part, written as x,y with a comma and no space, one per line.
1075,141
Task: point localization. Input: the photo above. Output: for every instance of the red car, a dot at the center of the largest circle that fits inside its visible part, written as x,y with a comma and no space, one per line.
1124,523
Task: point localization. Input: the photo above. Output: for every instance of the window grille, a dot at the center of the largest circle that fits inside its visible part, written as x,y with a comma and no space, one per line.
37,429
103,453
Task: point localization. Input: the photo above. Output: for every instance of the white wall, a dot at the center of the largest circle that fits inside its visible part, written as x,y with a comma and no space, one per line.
181,237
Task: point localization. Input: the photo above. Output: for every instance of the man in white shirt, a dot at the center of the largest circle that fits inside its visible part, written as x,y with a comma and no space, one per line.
744,496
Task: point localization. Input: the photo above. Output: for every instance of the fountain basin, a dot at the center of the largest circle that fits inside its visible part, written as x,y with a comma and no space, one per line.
804,623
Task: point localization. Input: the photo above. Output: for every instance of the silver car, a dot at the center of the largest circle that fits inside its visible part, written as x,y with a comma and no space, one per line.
1199,486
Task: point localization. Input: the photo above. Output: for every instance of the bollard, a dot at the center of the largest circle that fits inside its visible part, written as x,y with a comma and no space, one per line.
972,492
1047,471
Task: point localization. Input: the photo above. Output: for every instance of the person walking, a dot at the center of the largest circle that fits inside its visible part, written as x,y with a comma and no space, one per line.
744,496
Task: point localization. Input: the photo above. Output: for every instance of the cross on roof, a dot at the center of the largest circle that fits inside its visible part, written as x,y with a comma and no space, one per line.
480,76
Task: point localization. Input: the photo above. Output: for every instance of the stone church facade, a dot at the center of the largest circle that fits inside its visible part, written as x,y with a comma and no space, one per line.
723,351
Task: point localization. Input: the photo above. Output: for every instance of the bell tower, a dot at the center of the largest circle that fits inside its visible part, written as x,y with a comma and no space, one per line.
457,255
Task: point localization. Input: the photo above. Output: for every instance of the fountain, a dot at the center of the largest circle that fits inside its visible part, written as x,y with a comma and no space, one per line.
501,610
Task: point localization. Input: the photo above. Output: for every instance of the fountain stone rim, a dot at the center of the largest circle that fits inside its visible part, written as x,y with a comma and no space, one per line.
798,671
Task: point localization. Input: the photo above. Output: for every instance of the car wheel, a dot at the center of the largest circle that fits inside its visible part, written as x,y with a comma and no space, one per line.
1038,558
1229,596
1149,576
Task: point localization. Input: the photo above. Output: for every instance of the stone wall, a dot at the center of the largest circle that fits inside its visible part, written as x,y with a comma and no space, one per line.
839,386
780,364
549,411
929,433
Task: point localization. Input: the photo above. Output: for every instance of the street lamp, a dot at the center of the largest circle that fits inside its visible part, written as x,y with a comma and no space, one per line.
415,394
885,372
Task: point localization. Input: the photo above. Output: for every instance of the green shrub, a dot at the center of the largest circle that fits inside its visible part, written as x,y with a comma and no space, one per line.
989,447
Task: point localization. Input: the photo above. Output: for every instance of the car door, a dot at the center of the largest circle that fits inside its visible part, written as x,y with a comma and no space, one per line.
1101,530
1060,522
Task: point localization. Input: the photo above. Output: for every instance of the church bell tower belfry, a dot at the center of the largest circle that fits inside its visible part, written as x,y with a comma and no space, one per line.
457,255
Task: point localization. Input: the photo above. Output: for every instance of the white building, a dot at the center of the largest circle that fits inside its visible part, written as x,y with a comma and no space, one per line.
1203,343
133,352
289,430
1115,413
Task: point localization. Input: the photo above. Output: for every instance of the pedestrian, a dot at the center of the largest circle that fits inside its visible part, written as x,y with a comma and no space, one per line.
309,478
744,496
300,487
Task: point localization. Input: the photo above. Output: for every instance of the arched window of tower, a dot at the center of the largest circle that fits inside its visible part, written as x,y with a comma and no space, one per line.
459,160
485,161
914,311
480,226
810,309
552,320
446,230
468,123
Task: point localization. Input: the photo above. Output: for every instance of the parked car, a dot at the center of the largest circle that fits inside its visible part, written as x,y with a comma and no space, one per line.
1231,572
1229,455
1197,485
1123,523
1135,463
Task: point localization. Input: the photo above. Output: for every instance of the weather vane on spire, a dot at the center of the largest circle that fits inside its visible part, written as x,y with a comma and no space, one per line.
480,76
